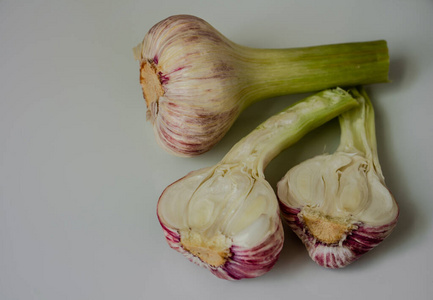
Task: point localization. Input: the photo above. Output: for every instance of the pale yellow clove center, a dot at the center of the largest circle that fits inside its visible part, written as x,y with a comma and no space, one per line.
325,229
214,252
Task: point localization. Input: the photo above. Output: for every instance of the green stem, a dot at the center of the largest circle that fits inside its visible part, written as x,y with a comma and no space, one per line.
259,147
276,72
358,134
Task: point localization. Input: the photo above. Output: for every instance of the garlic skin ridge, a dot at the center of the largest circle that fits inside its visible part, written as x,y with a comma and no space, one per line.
196,82
338,204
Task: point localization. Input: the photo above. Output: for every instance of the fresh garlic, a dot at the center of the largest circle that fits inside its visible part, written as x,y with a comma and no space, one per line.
338,204
196,82
226,217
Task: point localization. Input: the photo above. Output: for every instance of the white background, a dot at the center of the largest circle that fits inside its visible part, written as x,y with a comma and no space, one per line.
80,172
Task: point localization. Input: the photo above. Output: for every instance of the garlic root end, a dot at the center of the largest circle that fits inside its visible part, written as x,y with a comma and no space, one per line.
150,83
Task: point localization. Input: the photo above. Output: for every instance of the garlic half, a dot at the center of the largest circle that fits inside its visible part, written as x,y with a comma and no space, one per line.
338,204
226,217
196,82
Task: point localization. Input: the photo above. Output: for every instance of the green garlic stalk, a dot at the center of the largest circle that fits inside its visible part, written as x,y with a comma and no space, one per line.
338,204
196,82
226,217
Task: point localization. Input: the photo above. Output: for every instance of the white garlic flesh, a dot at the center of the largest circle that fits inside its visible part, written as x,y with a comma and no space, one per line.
338,204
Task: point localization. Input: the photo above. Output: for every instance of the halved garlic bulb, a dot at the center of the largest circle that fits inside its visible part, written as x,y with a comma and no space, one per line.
338,204
226,218
196,82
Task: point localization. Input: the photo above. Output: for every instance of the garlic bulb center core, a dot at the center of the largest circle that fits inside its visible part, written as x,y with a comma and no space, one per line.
214,251
150,82
324,228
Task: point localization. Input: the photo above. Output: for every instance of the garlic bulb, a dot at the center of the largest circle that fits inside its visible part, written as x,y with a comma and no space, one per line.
196,82
338,204
226,217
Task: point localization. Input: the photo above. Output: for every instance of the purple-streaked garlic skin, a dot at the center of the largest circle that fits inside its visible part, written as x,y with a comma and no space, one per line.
351,247
199,79
243,262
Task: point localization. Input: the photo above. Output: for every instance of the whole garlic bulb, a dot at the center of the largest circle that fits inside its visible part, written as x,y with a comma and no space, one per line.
196,82
189,76
338,204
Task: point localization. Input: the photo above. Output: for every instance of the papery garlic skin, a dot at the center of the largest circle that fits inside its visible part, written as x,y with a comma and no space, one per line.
226,218
338,204
196,82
